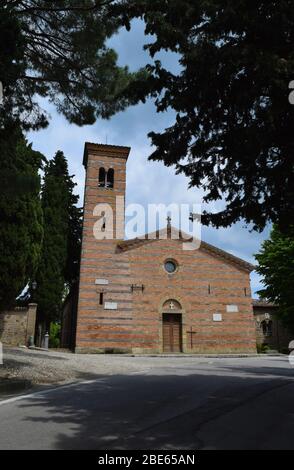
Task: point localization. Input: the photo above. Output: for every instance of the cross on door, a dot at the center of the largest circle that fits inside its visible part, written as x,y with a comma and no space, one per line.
191,333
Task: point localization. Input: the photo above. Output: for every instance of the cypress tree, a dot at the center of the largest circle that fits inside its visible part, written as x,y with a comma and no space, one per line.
60,239
21,223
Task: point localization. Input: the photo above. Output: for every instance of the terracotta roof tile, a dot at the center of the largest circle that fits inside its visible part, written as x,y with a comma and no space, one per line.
119,149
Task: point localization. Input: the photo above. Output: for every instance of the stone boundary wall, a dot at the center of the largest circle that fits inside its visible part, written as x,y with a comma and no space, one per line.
17,325
279,337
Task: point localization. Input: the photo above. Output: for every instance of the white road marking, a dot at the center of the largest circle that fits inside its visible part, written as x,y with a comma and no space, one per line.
45,392
60,387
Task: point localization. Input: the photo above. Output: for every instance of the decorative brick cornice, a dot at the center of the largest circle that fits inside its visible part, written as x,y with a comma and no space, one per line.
114,151
150,238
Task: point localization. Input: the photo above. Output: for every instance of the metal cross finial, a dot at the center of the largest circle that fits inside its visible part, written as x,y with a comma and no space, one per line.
168,221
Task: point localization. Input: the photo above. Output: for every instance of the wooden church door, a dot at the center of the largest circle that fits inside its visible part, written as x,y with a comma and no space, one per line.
172,332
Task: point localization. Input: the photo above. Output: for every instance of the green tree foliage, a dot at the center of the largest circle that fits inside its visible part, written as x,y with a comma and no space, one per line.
276,265
54,337
57,50
61,243
233,132
74,241
21,227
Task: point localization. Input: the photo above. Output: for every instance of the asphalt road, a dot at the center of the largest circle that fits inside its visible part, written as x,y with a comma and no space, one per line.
172,403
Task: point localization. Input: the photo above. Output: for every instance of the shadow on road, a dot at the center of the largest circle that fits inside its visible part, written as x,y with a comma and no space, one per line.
237,408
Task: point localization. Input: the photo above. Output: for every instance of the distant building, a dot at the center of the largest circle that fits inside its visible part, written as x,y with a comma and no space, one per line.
269,330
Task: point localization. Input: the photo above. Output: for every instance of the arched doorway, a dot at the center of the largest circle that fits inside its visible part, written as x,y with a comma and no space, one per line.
172,326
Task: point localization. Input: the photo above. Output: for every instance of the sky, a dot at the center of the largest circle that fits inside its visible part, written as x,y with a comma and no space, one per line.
147,182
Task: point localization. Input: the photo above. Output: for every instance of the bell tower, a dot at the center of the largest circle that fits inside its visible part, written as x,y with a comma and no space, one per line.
103,226
105,167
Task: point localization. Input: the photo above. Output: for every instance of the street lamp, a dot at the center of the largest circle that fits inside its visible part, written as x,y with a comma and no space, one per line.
34,287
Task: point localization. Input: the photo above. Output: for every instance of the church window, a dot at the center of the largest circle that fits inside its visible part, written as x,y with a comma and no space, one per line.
102,177
170,266
101,298
110,178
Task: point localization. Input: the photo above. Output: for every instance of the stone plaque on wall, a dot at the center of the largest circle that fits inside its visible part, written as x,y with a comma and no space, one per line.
101,282
217,317
110,306
232,308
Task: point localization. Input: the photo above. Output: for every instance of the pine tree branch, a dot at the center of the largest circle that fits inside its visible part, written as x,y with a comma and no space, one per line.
62,56
51,37
47,79
64,9
50,41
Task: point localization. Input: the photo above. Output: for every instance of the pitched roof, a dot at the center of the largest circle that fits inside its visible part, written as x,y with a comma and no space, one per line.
263,303
113,150
127,245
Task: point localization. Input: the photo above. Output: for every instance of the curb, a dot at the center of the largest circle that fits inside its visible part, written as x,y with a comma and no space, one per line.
208,356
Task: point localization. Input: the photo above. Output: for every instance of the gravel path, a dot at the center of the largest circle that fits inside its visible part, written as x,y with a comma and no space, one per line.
42,367
56,367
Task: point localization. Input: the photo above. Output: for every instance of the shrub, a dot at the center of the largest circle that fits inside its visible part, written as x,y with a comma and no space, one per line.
54,337
262,348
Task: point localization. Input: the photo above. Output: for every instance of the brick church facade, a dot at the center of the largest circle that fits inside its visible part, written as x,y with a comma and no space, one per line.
149,295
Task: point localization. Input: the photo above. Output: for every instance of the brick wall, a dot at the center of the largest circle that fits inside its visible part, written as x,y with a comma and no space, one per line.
204,285
16,326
